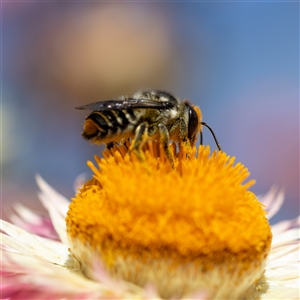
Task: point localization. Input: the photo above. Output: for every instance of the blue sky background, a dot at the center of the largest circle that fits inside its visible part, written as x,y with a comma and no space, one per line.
239,61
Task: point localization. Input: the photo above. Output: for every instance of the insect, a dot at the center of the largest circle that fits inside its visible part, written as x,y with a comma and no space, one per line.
148,115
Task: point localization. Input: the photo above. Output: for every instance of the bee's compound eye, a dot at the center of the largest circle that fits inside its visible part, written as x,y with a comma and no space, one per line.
193,123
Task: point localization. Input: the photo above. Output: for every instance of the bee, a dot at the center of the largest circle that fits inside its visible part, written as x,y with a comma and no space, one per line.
148,115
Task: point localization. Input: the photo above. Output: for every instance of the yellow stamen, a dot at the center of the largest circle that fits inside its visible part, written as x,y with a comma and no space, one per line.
181,229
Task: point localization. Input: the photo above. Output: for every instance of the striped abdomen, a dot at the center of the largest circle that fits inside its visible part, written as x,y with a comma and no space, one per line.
109,126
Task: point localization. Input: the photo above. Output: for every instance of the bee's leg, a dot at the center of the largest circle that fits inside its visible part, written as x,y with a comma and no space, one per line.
180,128
164,140
110,145
141,135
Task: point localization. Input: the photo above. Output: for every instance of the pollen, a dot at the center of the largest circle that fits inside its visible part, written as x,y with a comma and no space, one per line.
194,227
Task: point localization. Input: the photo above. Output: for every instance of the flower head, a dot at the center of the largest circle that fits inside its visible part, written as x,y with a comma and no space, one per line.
145,230
148,222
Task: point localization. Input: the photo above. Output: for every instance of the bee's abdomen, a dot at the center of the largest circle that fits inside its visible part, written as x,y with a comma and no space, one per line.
101,125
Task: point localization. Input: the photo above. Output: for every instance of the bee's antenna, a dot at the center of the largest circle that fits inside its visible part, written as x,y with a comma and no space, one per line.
213,134
201,138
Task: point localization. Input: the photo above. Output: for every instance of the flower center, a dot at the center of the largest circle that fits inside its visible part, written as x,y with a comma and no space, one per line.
178,229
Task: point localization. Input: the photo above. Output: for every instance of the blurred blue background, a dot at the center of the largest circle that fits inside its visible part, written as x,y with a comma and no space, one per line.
239,61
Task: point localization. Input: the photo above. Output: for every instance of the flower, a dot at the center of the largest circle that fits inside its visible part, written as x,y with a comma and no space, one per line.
143,230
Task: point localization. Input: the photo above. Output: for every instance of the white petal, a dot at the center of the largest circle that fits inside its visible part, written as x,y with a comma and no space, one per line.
269,197
284,225
277,291
58,280
286,255
26,214
285,249
57,199
274,206
285,237
33,245
39,273
80,180
57,206
283,282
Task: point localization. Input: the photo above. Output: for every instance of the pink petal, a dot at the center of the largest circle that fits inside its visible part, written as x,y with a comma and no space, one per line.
33,222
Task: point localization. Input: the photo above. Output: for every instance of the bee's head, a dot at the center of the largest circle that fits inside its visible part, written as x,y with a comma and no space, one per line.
194,123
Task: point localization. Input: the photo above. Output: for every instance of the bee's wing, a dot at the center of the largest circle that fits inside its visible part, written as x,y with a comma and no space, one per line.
126,103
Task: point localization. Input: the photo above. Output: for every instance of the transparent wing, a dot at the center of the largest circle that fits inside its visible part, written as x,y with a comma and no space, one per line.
126,103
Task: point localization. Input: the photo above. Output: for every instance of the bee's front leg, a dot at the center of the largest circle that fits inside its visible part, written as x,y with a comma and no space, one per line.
180,129
164,140
141,134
